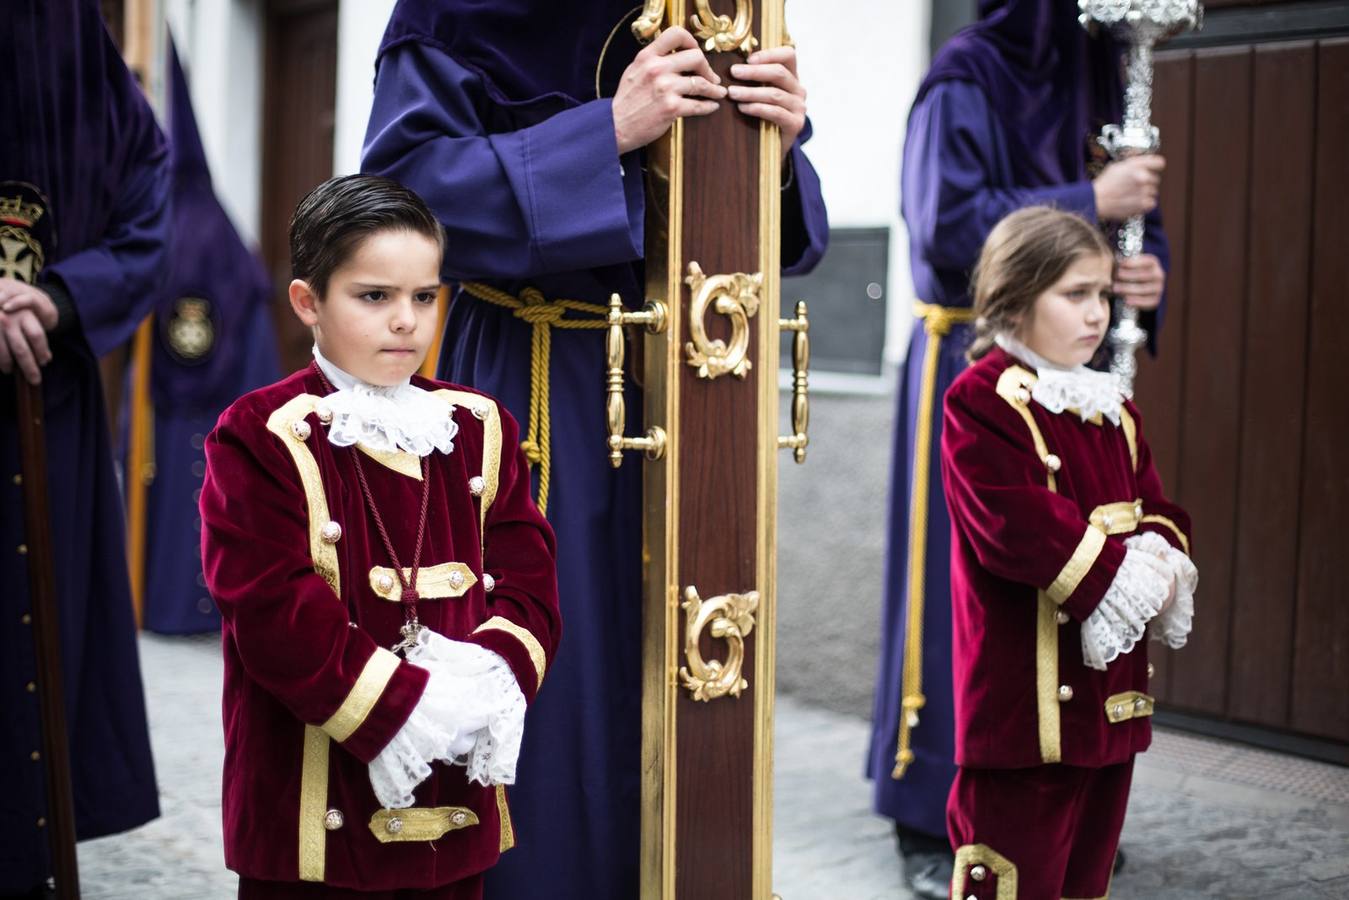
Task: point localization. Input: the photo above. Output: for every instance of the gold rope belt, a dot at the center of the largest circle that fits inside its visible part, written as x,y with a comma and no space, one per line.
544,315
937,322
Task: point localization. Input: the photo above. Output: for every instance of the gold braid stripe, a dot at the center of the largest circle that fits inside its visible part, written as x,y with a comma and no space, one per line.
544,315
937,322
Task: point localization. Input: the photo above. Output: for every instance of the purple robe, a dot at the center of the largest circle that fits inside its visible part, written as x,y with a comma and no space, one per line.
967,163
534,194
83,148
214,341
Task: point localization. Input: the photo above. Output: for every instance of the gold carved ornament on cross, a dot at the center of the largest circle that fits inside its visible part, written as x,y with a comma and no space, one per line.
719,33
728,617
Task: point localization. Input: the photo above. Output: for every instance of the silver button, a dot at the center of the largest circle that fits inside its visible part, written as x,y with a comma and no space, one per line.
1022,395
480,411
1107,520
385,583
332,820
458,819
331,533
1140,704
1152,670
1061,617
1053,463
488,582
456,579
978,873
875,291
1118,710
476,485
1138,509
300,428
324,413
1065,693
394,825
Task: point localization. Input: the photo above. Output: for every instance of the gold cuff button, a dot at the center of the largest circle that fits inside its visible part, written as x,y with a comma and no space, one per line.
978,873
300,428
394,825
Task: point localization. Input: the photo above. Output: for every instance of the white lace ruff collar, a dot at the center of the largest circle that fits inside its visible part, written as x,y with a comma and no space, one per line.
1085,391
400,417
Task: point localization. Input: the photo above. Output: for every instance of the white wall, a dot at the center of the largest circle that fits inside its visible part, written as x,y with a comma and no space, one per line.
220,45
360,25
860,74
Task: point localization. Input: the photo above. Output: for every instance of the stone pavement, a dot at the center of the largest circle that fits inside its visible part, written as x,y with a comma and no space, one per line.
1207,819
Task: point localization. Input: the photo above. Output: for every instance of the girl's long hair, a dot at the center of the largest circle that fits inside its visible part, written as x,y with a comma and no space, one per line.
1024,255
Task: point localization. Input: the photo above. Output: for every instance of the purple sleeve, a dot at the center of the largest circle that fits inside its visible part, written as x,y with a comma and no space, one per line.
950,156
551,197
805,223
113,284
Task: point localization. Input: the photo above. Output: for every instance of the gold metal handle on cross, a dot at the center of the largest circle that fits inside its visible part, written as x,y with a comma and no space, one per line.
655,318
800,437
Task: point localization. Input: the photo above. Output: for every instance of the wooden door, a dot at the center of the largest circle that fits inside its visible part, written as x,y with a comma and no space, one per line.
711,414
1245,406
299,112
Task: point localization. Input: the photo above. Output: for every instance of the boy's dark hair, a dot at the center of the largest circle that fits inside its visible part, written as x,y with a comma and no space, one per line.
1023,256
341,212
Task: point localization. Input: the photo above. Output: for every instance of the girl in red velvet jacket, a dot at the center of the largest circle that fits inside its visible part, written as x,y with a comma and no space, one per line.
387,584
1065,553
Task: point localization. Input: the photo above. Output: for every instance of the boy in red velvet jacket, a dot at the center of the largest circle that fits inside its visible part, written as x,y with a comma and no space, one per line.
387,585
1065,553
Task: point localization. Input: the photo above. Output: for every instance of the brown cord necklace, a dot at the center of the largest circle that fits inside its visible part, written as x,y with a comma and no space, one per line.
408,598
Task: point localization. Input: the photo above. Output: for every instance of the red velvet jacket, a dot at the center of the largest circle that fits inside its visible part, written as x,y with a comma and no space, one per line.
1040,507
312,693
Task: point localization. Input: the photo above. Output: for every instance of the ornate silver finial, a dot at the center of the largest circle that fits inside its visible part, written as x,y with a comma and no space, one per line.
1142,24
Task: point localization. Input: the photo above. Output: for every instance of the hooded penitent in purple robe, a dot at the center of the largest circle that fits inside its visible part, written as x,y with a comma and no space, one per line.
214,342
491,112
84,186
1003,119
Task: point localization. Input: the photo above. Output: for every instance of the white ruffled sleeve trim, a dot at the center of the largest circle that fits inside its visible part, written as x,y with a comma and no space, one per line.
1172,627
1118,622
471,714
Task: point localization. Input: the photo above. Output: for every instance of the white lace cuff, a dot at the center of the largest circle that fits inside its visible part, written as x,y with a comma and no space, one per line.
1172,627
471,714
1120,619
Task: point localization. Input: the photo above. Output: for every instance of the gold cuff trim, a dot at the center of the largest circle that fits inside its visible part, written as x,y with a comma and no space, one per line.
1175,529
433,582
313,804
1093,541
1047,679
1126,706
400,461
1130,427
971,855
363,696
283,423
504,814
1117,518
420,823
521,634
